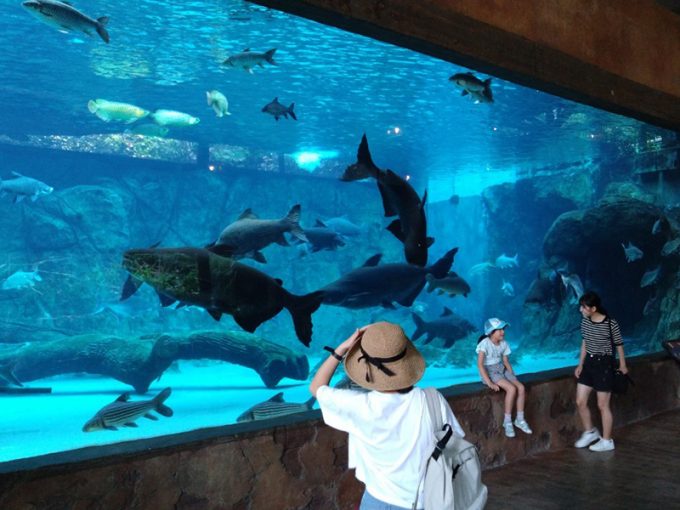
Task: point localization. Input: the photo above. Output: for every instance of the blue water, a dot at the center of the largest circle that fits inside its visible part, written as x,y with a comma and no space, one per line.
115,191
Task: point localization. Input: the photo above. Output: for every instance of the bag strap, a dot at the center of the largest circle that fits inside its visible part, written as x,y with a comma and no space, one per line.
611,338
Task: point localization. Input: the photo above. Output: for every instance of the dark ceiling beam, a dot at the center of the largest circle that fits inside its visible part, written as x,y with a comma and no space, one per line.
437,28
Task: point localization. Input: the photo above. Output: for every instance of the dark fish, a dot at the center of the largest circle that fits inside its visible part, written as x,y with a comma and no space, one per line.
275,407
278,110
480,90
247,59
321,237
374,285
123,413
399,199
449,327
250,234
207,278
65,17
451,284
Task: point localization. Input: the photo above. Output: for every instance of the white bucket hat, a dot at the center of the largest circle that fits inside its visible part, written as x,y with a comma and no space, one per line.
493,324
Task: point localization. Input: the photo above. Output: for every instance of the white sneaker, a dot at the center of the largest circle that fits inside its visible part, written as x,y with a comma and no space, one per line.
523,426
509,430
603,445
586,438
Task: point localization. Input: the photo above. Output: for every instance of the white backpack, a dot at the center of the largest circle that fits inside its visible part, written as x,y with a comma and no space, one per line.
452,475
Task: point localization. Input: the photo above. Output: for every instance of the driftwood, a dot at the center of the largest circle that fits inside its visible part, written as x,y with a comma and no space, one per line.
140,361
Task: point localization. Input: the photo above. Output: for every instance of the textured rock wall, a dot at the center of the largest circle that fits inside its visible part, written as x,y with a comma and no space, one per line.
303,466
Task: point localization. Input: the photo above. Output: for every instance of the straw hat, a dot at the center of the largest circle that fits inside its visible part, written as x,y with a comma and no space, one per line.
384,359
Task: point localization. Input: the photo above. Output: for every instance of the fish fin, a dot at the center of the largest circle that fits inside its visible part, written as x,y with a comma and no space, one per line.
130,286
101,23
423,200
124,397
395,228
130,424
320,223
430,336
246,49
269,57
441,268
277,398
249,321
7,373
420,326
279,282
247,214
291,112
373,261
151,417
410,298
440,292
464,93
249,70
292,219
446,312
301,309
34,198
364,167
110,427
281,241
387,205
223,250
165,299
16,174
429,241
258,256
158,401
215,314
18,198
389,305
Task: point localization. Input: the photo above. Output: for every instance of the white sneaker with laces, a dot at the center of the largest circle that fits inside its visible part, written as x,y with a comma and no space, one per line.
523,426
587,437
603,445
509,430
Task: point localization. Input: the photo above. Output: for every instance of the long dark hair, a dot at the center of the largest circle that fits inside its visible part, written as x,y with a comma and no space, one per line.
592,299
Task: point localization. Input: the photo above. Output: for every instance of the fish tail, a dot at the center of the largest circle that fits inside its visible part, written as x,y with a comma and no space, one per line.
269,56
159,399
301,309
441,268
292,219
309,404
365,159
92,106
101,23
429,278
420,327
291,112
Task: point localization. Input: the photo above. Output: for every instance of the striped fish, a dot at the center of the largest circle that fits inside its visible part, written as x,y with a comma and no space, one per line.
275,407
122,413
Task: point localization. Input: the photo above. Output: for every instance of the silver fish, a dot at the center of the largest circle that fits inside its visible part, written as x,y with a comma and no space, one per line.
65,18
23,187
508,289
504,262
21,280
275,407
451,284
277,110
247,59
573,282
632,252
478,89
122,412
650,277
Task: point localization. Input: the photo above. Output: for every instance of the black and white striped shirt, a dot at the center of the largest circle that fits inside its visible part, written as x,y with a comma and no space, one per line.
597,336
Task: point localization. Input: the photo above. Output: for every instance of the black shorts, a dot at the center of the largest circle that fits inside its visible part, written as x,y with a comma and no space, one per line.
598,372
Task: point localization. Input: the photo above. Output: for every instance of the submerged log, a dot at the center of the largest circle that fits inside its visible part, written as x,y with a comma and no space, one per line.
140,361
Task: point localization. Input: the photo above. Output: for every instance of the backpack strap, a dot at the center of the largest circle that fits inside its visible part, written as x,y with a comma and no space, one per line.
434,408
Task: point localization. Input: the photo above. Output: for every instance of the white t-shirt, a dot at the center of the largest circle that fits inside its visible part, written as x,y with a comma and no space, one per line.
493,354
390,434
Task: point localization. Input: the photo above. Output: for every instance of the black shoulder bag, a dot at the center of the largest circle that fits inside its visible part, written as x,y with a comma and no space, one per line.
621,381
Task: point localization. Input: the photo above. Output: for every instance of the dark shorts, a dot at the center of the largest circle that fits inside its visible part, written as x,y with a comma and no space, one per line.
598,372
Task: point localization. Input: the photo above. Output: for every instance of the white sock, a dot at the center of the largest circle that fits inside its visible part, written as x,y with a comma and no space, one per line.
520,415
508,419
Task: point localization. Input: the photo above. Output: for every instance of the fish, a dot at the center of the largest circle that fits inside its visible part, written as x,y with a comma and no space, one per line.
249,234
632,252
399,199
449,327
113,110
66,18
478,89
342,225
247,59
454,199
277,110
218,101
22,187
481,269
659,226
650,277
174,118
671,248
505,262
148,129
376,285
7,376
320,237
274,408
508,289
573,285
123,413
21,280
451,284
218,283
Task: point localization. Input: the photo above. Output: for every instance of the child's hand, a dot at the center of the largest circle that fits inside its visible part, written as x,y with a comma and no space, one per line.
345,346
494,387
577,372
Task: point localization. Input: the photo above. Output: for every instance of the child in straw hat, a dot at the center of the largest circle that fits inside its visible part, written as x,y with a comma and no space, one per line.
390,430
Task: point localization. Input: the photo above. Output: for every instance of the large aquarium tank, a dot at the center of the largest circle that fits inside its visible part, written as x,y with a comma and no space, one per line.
197,197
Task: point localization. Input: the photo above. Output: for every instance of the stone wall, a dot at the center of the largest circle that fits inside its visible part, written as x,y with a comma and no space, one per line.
303,465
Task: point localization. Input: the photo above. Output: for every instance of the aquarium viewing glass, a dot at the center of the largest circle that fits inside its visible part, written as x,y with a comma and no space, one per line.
541,197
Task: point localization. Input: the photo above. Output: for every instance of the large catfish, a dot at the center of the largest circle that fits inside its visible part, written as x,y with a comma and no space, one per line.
399,199
375,285
206,278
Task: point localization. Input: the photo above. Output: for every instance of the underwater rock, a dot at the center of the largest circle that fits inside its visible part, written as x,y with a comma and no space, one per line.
140,361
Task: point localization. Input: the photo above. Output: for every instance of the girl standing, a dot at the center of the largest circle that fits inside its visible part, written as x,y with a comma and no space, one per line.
496,372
